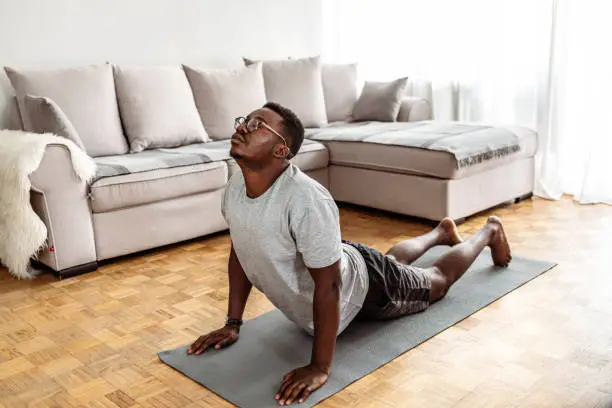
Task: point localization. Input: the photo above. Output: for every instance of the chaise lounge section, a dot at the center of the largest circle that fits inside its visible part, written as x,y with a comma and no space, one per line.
170,190
424,182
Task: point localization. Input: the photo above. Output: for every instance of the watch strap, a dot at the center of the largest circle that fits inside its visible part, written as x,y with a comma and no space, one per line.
233,322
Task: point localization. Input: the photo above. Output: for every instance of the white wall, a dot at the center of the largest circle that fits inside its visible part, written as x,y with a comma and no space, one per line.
38,34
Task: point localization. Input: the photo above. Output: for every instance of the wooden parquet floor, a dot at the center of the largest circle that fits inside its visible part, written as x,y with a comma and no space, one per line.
91,341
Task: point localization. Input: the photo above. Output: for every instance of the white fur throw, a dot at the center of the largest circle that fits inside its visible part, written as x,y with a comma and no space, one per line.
22,232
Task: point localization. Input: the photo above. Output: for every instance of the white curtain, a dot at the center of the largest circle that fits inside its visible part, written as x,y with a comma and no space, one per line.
537,63
577,140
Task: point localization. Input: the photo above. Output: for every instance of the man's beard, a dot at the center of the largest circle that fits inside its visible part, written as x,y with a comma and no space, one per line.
247,163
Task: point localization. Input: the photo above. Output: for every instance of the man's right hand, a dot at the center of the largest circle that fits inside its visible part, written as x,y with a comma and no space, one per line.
223,337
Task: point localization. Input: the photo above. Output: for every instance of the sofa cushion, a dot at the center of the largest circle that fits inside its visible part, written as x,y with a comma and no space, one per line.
154,175
46,117
157,107
297,85
113,193
339,90
221,95
414,108
417,161
380,101
85,94
312,156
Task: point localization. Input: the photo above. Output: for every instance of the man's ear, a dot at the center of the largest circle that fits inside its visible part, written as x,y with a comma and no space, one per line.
282,152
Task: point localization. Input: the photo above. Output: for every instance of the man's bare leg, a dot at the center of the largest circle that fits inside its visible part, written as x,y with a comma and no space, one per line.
410,250
452,265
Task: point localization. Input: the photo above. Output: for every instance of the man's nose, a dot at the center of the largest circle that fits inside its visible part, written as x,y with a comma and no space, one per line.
242,129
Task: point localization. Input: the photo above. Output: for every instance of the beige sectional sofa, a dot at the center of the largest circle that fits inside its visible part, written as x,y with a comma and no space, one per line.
136,203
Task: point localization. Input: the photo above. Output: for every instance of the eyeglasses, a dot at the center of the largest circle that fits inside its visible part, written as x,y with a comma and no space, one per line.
253,124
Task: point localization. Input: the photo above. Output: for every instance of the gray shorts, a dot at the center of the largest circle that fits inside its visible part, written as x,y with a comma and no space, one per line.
395,289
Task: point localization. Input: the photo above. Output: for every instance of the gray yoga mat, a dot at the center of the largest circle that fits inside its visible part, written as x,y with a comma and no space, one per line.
249,372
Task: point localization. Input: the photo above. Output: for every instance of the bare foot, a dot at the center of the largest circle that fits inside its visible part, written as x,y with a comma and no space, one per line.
449,235
500,249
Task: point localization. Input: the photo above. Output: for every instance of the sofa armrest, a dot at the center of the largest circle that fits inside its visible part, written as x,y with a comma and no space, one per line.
414,108
60,198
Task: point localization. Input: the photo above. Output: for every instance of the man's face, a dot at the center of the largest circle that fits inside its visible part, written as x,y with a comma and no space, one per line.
261,145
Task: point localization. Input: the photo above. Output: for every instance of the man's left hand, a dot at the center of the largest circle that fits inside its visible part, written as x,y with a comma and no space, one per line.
300,382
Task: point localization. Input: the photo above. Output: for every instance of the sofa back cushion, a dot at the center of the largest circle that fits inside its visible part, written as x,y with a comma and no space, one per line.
157,107
340,90
85,94
221,95
297,85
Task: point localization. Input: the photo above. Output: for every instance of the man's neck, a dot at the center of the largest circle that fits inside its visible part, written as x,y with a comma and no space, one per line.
259,180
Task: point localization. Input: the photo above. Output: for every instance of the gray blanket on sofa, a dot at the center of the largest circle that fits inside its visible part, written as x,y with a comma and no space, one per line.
469,143
156,159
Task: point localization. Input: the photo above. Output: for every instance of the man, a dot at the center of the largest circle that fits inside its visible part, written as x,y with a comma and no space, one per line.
286,241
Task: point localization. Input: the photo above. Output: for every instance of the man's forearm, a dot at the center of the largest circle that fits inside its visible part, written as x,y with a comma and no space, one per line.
326,320
239,287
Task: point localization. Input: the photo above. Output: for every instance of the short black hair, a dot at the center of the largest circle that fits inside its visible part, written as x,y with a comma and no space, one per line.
294,130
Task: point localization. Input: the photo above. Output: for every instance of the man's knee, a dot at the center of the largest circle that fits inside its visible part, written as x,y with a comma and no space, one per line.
440,284
397,254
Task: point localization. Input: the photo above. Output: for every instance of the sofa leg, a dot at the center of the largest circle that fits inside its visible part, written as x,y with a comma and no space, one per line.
69,272
523,198
459,221
76,270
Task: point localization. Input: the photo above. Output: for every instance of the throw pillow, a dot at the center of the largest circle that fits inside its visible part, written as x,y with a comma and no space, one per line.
297,85
340,90
86,95
46,117
221,95
157,107
380,101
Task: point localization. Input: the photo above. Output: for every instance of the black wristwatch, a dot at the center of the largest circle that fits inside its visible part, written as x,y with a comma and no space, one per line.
233,322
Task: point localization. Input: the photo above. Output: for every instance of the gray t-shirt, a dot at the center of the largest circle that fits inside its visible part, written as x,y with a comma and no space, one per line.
278,235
